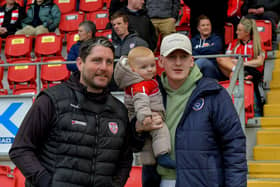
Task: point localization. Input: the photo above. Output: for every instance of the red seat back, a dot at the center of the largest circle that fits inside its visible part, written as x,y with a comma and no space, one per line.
135,177
6,177
100,18
22,79
53,74
48,44
229,33
20,179
20,2
184,15
265,30
18,46
66,6
90,5
106,33
70,22
71,39
248,97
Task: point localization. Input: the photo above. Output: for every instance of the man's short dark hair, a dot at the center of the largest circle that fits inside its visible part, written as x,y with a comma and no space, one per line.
201,17
89,27
119,14
87,45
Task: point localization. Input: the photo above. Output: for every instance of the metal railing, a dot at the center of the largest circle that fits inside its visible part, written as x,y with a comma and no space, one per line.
237,90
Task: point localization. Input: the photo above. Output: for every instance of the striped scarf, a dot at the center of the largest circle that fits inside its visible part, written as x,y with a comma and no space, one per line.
14,17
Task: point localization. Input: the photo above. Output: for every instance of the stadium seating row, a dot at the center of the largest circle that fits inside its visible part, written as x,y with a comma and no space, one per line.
14,178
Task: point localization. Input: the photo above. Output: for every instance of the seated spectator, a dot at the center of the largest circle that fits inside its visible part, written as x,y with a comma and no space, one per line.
265,10
247,43
124,40
11,15
43,16
87,30
207,43
140,22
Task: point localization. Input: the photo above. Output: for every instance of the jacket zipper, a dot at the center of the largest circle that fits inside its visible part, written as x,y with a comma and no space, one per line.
95,147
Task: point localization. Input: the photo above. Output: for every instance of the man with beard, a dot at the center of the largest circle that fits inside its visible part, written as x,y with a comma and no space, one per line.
76,133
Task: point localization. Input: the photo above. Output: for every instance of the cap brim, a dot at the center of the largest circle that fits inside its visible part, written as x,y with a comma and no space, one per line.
166,53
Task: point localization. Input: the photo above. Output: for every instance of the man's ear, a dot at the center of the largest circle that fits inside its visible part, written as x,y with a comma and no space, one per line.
161,61
79,63
192,63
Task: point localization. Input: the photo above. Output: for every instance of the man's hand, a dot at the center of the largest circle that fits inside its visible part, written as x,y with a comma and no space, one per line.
260,11
3,30
252,11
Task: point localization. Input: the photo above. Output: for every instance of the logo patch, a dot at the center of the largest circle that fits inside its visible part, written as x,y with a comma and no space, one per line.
113,126
132,45
198,105
76,122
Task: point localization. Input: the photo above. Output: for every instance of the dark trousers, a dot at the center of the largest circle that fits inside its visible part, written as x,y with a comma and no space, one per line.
150,177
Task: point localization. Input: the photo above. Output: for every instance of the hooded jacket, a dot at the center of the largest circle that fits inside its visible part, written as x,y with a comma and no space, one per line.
210,145
210,46
49,15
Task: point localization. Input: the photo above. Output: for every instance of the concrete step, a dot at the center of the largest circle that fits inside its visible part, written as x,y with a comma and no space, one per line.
263,183
272,110
267,152
270,122
273,97
276,74
274,85
264,169
268,137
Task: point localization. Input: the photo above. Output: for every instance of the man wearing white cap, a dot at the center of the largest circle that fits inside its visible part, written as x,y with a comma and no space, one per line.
207,140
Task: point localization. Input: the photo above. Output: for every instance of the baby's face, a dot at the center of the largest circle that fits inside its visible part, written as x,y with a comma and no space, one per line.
145,67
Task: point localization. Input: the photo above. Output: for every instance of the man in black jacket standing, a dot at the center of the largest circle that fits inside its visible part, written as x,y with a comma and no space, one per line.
76,133
139,22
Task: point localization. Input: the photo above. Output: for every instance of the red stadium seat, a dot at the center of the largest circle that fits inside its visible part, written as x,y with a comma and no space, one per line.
108,3
135,177
229,33
18,46
6,177
53,74
48,44
22,79
106,33
66,6
71,39
20,179
184,15
2,90
248,97
265,29
100,18
70,22
184,29
91,5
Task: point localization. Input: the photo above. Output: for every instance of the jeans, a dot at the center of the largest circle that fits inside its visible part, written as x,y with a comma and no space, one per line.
209,68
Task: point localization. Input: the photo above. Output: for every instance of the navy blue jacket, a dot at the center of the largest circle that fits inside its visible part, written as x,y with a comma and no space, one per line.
210,145
212,45
72,56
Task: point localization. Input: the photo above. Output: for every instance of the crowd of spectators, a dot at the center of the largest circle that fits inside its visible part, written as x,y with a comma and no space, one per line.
140,22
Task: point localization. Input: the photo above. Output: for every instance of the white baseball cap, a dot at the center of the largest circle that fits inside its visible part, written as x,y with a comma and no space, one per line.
173,42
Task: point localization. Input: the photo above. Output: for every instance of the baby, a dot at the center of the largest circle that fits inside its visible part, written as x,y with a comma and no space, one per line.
135,74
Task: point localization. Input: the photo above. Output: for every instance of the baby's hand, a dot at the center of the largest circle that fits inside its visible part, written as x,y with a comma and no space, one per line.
147,121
